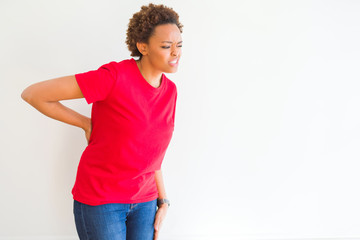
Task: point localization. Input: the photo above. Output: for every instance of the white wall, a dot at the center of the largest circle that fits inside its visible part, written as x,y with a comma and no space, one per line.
267,133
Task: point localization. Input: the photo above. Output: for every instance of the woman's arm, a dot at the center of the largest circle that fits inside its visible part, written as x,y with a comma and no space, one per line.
45,97
162,210
160,185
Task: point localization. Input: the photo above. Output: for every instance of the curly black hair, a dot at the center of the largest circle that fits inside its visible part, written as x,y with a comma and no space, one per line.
143,23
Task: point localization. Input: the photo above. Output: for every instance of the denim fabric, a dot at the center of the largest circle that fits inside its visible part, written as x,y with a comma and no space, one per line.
115,221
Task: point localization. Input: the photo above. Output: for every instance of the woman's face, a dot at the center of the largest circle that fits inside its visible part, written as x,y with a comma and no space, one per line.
164,49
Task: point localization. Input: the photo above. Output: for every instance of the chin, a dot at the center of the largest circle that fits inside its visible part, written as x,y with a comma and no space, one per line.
172,70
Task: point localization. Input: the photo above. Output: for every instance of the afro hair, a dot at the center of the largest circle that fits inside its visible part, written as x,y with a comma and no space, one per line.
143,23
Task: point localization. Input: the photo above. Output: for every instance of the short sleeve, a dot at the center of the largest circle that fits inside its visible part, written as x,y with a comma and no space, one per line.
96,85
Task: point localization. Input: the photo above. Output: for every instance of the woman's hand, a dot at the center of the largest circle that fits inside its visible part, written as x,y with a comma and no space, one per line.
88,129
159,217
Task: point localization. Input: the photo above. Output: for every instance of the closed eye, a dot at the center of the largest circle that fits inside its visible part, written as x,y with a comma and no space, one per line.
169,47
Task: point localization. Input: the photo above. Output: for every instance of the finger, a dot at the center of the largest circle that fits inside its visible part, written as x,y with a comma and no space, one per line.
157,223
156,235
160,224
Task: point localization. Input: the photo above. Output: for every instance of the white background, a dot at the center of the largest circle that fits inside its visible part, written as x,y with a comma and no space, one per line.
267,129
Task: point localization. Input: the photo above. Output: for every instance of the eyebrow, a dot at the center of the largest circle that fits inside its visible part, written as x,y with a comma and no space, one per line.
170,41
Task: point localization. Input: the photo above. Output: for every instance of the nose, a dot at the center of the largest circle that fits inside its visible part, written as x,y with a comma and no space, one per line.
175,51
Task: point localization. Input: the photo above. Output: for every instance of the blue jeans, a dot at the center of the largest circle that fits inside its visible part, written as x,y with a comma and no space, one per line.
115,221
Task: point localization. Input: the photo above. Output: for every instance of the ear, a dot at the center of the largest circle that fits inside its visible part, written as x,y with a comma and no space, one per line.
142,47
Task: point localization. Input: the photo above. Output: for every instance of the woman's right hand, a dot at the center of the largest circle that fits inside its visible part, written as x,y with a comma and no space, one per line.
88,130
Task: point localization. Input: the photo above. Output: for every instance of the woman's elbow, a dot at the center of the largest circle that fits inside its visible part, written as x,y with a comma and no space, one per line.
28,94
25,95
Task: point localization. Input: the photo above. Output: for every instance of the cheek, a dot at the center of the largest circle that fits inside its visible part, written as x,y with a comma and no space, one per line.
160,53
163,56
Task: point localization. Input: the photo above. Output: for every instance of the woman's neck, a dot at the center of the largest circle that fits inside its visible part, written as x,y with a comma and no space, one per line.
151,75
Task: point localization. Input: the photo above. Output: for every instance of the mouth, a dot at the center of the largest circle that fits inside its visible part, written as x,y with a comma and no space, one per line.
174,62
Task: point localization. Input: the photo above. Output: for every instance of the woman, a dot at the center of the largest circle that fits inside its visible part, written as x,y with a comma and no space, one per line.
119,191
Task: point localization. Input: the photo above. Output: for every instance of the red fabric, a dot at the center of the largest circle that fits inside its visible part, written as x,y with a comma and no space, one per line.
133,123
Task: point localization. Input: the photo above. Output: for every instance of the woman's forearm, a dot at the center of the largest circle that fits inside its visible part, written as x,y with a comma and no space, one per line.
58,111
45,96
160,184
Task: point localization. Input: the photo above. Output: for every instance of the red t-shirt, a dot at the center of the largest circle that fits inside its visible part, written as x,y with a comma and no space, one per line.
133,123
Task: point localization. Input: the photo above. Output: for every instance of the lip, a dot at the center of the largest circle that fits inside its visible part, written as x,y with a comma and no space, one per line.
174,64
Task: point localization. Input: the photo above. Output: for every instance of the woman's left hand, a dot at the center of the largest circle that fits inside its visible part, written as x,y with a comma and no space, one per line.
159,217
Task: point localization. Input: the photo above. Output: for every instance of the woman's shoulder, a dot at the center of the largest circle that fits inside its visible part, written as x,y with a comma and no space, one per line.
121,63
117,67
171,85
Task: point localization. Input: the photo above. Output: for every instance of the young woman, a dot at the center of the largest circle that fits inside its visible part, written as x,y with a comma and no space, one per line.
119,191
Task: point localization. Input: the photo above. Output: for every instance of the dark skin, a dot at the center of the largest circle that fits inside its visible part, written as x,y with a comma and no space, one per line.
164,46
